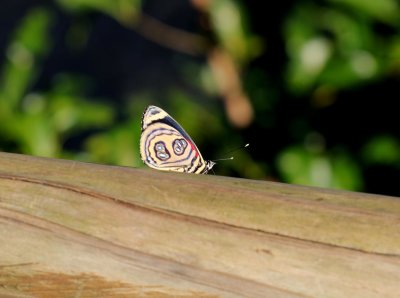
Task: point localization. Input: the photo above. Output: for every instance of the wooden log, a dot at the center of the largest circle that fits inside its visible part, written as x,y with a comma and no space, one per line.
73,229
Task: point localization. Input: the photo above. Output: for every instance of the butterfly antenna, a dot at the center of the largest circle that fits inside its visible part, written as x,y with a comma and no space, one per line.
231,151
238,148
219,159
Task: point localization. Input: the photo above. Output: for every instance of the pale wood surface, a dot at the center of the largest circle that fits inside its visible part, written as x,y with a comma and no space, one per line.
71,229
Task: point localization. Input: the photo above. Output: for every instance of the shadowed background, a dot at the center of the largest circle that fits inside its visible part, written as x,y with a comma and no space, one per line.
311,85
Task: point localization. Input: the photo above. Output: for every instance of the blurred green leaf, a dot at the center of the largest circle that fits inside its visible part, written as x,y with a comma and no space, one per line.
29,43
382,10
126,11
336,170
232,28
383,149
70,111
331,46
117,146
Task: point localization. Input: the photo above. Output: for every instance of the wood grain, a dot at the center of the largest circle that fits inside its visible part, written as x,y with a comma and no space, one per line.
72,229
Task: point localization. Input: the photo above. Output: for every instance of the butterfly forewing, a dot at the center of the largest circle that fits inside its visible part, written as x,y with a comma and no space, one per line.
164,144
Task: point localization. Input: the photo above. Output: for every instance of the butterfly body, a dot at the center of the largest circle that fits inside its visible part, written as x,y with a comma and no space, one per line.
165,145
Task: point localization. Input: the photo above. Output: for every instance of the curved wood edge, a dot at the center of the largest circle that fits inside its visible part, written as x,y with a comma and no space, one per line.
127,231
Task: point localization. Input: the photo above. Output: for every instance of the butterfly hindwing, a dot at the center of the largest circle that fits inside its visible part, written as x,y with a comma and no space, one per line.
165,145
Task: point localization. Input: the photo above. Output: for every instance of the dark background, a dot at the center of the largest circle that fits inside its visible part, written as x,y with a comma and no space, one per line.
320,77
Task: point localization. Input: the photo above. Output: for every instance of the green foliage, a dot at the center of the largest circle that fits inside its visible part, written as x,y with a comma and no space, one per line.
122,10
38,123
331,46
231,27
29,44
384,10
333,169
383,150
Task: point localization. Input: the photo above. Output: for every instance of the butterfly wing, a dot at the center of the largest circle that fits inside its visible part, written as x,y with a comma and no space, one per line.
165,145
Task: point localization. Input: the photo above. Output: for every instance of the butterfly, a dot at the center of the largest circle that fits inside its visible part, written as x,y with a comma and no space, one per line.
166,146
